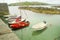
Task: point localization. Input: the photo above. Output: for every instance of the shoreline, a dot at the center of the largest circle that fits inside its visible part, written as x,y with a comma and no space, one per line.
42,10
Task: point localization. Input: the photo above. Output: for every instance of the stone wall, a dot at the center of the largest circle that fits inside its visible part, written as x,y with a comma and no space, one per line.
4,9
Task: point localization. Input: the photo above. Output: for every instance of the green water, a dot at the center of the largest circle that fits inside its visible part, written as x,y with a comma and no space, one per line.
50,33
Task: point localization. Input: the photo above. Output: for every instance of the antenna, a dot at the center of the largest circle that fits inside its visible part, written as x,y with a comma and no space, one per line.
26,14
20,9
20,12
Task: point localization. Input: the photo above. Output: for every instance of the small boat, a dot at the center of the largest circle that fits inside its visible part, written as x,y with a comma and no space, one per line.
18,23
39,26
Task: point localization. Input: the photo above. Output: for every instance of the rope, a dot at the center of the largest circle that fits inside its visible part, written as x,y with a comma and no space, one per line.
20,13
24,13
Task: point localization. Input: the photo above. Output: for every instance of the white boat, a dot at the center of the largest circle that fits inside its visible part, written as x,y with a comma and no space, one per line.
39,26
13,20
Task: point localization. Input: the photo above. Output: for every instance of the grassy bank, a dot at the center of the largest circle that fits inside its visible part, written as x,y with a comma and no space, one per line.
57,6
27,3
42,10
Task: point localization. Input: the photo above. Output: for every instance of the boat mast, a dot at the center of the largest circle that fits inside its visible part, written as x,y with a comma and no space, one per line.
20,12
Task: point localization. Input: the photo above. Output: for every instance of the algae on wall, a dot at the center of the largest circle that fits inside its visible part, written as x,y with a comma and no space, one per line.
4,9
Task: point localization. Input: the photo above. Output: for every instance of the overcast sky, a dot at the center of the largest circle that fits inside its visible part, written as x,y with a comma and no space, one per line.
46,1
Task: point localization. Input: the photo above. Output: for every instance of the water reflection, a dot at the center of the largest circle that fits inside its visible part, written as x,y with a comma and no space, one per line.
58,38
38,32
35,18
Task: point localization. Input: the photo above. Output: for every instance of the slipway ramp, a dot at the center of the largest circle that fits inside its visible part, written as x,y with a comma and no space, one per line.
6,33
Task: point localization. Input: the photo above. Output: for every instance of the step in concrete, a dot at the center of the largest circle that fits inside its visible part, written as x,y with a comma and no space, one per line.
6,33
4,28
10,36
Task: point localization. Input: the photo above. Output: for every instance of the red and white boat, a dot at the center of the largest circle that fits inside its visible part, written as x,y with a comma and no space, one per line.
17,23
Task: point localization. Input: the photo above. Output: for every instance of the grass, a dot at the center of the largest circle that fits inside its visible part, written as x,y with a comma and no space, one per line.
42,10
27,3
57,6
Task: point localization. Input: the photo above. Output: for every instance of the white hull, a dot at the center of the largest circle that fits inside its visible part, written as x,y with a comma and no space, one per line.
39,26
